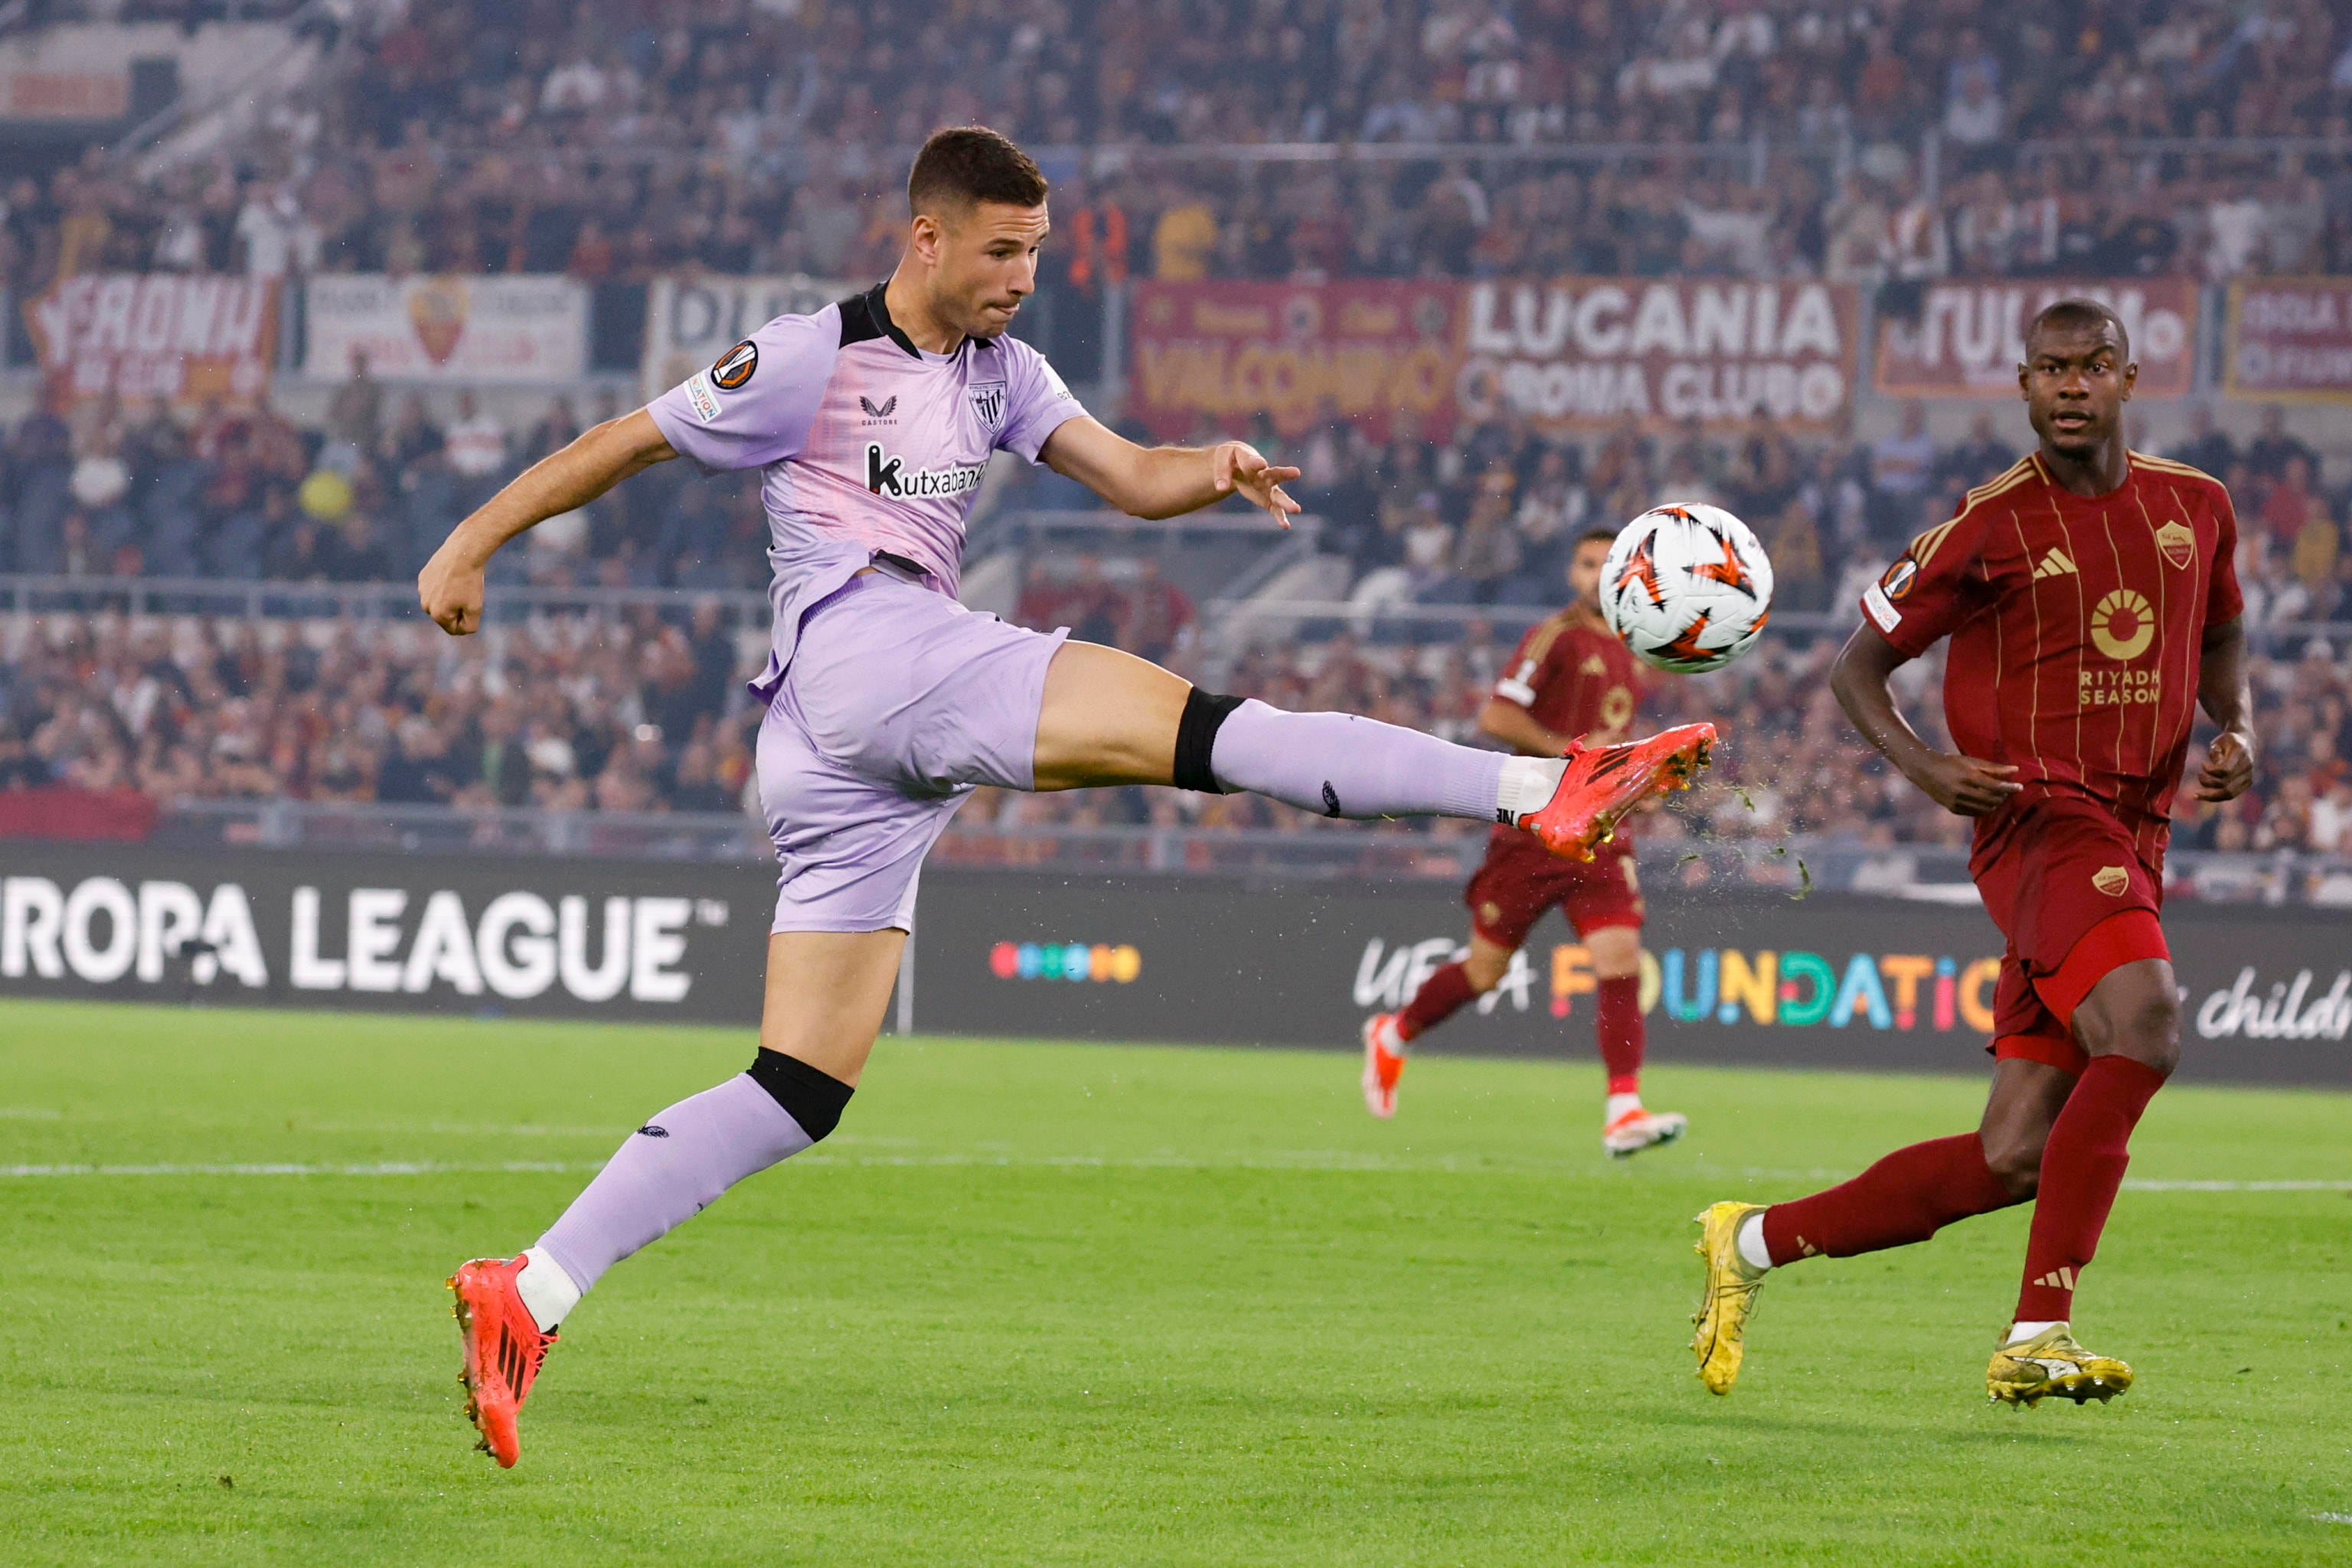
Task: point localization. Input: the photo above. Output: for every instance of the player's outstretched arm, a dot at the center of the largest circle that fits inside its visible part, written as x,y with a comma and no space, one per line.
450,586
1166,481
1965,786
2225,689
1516,728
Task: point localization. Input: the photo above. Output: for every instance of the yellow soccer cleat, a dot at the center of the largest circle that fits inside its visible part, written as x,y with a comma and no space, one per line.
1730,1296
2051,1362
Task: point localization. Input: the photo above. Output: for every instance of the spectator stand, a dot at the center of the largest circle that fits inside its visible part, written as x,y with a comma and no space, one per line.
1132,583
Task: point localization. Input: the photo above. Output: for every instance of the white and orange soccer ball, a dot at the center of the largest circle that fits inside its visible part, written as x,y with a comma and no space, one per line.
1687,587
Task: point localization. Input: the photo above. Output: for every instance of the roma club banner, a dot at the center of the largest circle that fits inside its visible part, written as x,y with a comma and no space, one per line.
2290,339
1581,353
1970,336
1383,354
178,337
529,329
690,321
1573,353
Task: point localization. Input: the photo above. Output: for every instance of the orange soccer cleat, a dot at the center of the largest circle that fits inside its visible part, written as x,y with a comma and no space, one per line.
1603,783
1383,1064
504,1348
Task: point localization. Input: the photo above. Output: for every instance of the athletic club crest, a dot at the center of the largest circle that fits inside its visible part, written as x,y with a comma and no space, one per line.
988,402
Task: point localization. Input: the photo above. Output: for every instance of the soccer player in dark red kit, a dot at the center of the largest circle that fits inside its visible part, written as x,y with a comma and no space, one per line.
1570,679
2092,605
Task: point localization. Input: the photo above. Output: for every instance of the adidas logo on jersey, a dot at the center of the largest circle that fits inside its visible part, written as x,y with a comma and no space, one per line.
2054,564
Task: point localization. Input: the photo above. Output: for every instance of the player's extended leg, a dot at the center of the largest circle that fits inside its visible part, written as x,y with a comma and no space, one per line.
1905,1198
1627,1127
1438,998
825,995
1109,717
2129,1024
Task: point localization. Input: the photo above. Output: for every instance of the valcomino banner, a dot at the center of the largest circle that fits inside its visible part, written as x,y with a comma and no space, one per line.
1831,981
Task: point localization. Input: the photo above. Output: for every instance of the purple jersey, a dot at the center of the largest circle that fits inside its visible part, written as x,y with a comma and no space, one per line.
871,445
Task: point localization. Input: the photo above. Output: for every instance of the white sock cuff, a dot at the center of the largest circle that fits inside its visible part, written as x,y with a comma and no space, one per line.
1751,1241
2020,1332
1527,785
547,1289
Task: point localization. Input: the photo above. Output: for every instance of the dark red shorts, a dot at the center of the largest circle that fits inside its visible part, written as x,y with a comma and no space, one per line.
2065,885
1519,879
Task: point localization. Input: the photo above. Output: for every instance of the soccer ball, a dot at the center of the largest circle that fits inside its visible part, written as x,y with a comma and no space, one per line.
1687,587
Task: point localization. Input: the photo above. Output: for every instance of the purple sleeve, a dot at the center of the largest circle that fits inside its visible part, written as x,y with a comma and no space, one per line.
1038,402
754,406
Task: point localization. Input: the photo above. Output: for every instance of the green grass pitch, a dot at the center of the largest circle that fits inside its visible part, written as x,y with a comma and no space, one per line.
1049,1303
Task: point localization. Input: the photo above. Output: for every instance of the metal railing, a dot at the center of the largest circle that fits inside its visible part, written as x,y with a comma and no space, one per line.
1435,622
23,595
287,824
1347,852
37,594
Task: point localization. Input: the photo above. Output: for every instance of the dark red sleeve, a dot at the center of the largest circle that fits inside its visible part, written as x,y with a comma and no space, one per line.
1525,673
1933,586
2223,601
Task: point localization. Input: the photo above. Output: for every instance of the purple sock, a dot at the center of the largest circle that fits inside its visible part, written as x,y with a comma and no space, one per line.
1337,764
670,1170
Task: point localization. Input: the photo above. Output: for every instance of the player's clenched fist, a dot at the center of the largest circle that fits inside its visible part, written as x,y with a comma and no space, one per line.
1966,787
1238,466
2229,769
450,589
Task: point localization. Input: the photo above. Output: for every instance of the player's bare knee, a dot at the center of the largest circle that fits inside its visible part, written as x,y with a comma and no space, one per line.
2013,1155
2150,1033
2144,1027
1485,970
1616,952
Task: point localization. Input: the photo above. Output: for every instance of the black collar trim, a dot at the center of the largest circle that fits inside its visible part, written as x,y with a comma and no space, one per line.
866,316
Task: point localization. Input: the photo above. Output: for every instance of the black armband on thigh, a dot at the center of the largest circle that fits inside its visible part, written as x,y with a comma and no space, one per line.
1196,738
811,1098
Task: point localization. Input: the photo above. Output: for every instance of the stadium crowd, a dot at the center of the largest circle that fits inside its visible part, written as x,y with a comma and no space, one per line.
1483,519
621,138
643,712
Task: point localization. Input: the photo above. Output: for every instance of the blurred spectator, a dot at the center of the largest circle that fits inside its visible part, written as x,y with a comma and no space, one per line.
2208,447
477,441
1901,466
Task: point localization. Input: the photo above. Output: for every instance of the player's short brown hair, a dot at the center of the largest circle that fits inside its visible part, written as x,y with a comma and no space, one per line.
965,164
2077,312
1605,535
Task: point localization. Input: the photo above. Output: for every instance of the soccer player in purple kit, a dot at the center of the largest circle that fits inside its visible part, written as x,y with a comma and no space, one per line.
887,703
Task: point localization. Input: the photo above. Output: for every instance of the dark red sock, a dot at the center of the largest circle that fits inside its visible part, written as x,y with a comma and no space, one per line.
1618,1021
1436,1000
1907,1196
2082,1166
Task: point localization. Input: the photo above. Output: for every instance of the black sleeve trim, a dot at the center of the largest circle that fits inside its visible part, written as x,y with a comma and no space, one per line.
812,1098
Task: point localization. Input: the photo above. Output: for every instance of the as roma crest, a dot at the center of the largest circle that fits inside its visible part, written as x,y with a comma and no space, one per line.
2177,541
437,308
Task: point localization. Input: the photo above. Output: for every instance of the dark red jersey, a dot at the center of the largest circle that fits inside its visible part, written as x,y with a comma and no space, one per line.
2077,626
1574,678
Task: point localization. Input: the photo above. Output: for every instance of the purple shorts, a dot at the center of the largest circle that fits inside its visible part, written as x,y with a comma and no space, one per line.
898,703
